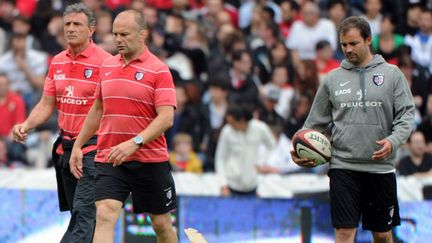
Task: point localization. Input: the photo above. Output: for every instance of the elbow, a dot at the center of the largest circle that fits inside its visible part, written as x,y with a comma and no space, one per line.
169,122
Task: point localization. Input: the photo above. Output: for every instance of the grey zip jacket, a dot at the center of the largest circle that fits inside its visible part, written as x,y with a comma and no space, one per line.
362,106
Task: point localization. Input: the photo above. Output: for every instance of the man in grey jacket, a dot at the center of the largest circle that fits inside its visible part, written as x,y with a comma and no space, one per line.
368,108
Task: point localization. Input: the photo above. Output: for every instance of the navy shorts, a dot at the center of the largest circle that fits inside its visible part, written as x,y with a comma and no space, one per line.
151,185
369,196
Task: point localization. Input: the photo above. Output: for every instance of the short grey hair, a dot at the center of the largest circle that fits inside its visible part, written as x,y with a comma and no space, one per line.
81,8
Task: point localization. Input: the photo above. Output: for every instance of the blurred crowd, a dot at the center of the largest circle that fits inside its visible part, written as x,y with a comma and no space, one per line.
260,60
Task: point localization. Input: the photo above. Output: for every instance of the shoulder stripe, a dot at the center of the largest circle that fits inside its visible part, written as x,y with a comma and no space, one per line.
70,62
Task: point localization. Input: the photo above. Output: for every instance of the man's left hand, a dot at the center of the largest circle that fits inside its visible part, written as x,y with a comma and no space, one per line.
384,152
119,153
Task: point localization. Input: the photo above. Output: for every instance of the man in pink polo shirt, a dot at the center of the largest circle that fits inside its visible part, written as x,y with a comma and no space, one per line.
70,87
134,105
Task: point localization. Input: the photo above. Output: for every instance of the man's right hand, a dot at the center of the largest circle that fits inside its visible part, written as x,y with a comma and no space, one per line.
75,162
20,132
309,163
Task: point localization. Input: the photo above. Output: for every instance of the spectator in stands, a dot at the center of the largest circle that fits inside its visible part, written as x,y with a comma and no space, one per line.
307,32
426,125
182,157
373,15
237,151
53,41
269,35
246,10
215,114
409,25
324,59
187,118
387,42
7,12
12,111
280,55
306,78
25,69
419,162
289,13
244,84
12,107
103,26
298,114
22,25
195,47
278,160
281,79
417,76
267,111
421,42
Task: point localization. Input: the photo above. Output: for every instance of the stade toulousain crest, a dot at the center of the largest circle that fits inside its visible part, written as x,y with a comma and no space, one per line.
88,73
378,79
139,75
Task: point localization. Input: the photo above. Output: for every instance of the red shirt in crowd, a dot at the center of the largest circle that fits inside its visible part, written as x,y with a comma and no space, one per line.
130,94
73,81
12,111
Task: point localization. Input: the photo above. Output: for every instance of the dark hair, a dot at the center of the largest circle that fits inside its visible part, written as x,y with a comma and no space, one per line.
321,45
294,5
21,18
237,55
220,81
240,112
332,3
355,22
390,17
81,8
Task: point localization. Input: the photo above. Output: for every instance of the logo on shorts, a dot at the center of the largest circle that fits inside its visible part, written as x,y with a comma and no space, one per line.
88,73
378,79
391,213
168,192
139,75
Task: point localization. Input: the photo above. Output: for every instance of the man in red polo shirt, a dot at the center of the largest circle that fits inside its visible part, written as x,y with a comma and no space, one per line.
134,105
70,86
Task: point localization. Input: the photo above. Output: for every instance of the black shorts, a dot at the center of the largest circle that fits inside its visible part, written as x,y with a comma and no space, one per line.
151,185
369,196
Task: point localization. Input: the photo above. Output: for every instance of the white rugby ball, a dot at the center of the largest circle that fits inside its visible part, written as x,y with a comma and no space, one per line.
311,144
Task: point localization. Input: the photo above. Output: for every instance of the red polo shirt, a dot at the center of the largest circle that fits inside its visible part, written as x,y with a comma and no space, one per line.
12,111
73,81
130,94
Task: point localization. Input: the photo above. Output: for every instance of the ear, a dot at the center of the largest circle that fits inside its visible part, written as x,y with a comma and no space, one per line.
144,34
92,30
369,40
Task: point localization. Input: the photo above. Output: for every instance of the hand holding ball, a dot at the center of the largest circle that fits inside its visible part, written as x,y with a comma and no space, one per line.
311,144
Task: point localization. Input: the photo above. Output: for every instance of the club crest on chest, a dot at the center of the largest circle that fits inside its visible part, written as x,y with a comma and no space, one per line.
139,75
378,79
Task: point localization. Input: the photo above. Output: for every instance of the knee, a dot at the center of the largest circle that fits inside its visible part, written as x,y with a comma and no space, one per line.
106,213
345,235
382,236
161,223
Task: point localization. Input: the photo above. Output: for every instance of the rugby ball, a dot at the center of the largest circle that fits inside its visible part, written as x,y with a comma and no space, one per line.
311,144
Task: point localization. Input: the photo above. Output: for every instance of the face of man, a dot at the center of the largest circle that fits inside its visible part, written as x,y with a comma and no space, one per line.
355,47
129,39
76,29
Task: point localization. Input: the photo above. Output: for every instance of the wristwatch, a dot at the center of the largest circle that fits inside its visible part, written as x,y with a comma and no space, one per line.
138,140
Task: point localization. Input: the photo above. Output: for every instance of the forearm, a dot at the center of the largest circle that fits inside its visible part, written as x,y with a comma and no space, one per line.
158,126
90,126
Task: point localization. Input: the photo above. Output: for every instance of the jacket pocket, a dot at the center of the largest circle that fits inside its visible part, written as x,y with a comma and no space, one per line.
357,141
